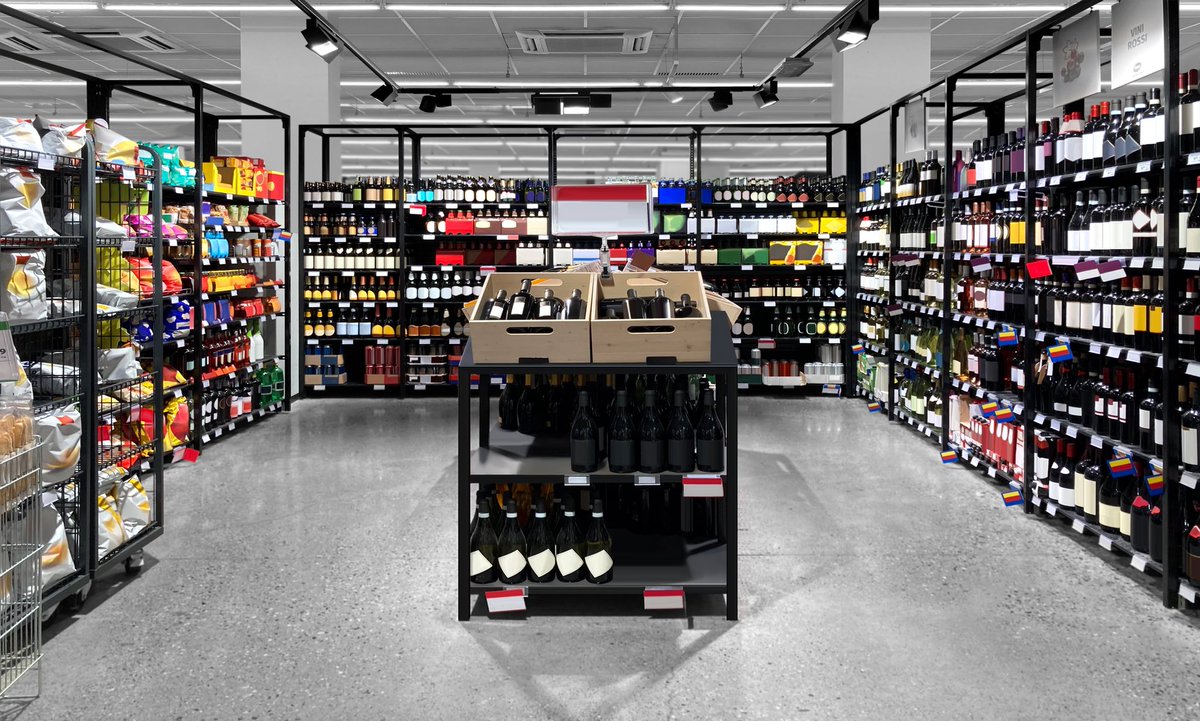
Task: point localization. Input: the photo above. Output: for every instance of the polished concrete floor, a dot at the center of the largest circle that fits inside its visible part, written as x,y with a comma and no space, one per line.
307,573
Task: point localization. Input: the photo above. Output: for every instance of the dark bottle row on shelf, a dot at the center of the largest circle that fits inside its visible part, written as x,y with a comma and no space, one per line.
357,288
782,189
822,287
787,321
1128,313
351,224
227,398
524,306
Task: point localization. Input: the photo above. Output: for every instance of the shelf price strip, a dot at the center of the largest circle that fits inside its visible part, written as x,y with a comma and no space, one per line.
663,599
509,600
949,457
1011,498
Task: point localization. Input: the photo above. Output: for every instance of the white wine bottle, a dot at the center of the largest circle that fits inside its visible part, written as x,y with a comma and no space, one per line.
569,546
483,547
598,560
510,553
539,550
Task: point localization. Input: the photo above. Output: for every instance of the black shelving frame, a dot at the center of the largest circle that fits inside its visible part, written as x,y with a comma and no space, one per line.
1171,167
553,135
478,467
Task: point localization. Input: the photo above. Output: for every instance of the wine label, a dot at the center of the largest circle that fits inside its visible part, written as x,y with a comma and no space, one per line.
542,563
1191,456
1158,431
1193,240
1066,496
1110,516
512,563
479,563
1125,523
599,563
568,562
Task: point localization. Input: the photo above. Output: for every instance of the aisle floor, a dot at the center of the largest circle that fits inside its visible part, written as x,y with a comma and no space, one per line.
308,573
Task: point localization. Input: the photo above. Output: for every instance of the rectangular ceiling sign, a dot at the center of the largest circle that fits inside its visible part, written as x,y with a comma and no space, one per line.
1137,41
1077,60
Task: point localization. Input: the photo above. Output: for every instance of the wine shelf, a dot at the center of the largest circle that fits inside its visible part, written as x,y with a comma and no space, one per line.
1079,524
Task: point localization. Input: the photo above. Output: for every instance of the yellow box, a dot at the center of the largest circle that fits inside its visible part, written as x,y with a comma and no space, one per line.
808,226
833,224
220,178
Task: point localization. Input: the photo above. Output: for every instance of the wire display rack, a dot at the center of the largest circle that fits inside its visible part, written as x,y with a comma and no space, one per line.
21,511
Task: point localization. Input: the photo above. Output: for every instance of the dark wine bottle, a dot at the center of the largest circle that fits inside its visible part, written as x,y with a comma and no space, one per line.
1139,521
598,560
1191,556
635,307
549,307
483,547
540,550
510,552
623,437
652,438
497,308
660,306
1110,504
531,410
574,307
1156,531
507,419
569,546
521,306
681,439
585,439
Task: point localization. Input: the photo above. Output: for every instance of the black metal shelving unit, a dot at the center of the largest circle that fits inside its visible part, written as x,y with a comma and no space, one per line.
501,456
1166,172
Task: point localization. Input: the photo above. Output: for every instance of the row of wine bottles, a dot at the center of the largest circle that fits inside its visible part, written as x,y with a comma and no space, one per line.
513,557
350,224
523,306
441,188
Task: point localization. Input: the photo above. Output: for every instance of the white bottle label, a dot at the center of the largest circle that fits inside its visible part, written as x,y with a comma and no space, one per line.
1066,497
541,563
1190,455
1144,420
1110,516
599,563
568,561
1193,240
1089,496
1126,522
1158,431
479,563
512,563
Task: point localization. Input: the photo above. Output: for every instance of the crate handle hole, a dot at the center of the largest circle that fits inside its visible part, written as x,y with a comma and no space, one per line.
530,330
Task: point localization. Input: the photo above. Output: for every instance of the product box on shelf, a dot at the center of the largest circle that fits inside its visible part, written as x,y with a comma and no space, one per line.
220,178
638,340
833,224
276,182
557,341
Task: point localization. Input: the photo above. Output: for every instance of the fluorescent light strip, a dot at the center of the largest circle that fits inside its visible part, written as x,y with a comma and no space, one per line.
42,83
233,9
739,9
547,8
61,7
716,159
563,122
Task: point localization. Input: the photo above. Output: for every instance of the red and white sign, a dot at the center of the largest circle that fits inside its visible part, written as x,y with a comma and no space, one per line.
506,601
600,209
703,487
663,599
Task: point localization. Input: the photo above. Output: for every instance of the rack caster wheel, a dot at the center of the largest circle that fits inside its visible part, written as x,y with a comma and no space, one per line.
48,613
133,564
75,602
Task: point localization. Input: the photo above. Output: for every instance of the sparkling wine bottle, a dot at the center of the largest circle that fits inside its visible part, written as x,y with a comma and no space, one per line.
652,438
483,547
569,546
585,439
539,550
681,438
510,551
623,438
599,561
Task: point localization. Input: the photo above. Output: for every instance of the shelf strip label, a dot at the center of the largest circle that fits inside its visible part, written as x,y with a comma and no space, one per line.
510,600
703,487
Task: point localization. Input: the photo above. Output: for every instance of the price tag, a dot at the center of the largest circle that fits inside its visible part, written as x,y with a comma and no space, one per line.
760,205
768,304
1097,442
1109,172
1095,349
1056,180
663,599
1133,356
1072,432
747,267
1113,352
128,173
703,487
45,162
1051,509
735,205
343,305
1139,561
645,480
452,206
978,192
1193,369
1077,526
128,245
1105,542
1056,424
510,600
1080,177
1189,480
1142,167
991,472
423,341
1186,592
577,480
1194,159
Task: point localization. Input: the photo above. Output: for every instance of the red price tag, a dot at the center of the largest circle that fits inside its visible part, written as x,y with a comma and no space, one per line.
191,455
663,599
1038,269
507,601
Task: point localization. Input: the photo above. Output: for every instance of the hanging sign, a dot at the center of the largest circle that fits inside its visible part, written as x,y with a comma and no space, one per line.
1137,40
1077,60
914,126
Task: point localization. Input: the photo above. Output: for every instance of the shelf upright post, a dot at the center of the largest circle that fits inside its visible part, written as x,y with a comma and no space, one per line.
88,412
1033,41
291,218
829,154
1172,498
948,208
301,272
464,495
698,176
893,246
197,334
731,494
853,262
401,221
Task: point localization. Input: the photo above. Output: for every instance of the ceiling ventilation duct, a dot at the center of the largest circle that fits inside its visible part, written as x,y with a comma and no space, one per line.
583,42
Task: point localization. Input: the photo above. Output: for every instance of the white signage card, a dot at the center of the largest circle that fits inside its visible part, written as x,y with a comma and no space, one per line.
1077,60
914,126
1137,40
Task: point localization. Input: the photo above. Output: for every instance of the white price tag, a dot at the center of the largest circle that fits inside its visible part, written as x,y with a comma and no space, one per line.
1142,167
510,600
663,599
1139,561
1097,442
1106,542
1072,432
577,480
1077,526
1109,172
1186,591
1194,159
45,162
645,480
1189,480
1056,180
1080,177
128,245
1051,509
1193,369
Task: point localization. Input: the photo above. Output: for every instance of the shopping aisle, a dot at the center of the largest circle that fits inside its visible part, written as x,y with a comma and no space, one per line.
316,580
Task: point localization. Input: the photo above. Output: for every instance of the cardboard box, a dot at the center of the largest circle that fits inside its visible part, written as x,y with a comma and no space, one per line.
833,224
557,341
636,341
276,183
382,379
220,178
718,303
313,379
314,359
335,380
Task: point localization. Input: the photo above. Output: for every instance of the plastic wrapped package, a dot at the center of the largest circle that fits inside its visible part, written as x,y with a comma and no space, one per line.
109,527
178,424
20,133
112,147
21,211
24,276
57,560
61,435
133,506
54,379
67,141
118,364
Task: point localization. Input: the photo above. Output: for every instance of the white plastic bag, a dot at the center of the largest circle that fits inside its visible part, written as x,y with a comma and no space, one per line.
109,527
21,204
57,562
66,141
19,133
106,228
112,147
115,298
133,506
24,293
54,379
61,435
118,364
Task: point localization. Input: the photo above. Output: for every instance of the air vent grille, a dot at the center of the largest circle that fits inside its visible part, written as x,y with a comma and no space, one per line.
575,42
22,44
137,42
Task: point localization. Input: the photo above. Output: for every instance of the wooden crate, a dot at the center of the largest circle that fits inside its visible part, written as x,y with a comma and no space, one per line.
636,341
512,341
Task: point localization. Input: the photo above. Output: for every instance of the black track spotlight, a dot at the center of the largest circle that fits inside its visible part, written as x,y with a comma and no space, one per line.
443,100
428,103
857,27
767,95
319,41
720,100
385,93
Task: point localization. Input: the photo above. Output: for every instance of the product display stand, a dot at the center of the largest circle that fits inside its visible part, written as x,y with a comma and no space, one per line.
503,456
1034,277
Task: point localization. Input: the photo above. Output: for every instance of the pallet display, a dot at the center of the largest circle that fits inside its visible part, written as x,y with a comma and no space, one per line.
1028,308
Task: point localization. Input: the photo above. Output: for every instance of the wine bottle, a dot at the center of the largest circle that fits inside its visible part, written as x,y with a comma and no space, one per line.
623,438
635,307
681,439
574,307
1110,505
549,307
531,410
585,439
483,547
539,550
652,438
510,551
521,305
497,308
710,437
569,546
660,306
598,560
